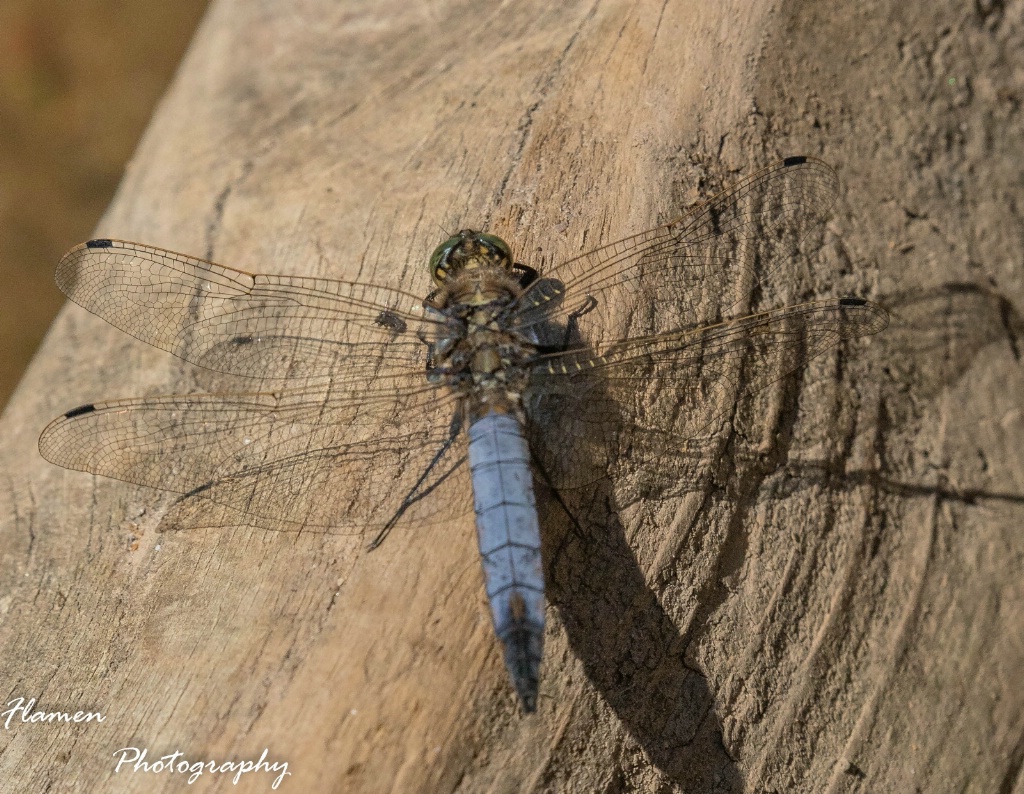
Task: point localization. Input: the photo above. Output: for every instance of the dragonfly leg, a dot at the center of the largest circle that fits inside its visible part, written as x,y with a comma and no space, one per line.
428,302
526,274
413,497
571,327
572,323
435,372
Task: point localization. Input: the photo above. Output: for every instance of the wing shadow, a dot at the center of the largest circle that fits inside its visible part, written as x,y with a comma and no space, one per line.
935,334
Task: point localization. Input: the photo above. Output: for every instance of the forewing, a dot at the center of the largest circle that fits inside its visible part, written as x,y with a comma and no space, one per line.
263,326
698,269
590,410
291,460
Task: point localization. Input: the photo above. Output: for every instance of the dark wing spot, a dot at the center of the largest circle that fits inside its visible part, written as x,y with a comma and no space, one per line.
390,320
80,410
243,340
852,302
101,243
789,161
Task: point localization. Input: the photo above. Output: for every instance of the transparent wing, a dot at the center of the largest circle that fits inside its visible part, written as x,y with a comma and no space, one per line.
264,326
695,270
651,399
296,459
344,455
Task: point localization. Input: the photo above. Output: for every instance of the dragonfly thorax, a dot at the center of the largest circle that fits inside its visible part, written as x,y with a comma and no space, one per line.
477,352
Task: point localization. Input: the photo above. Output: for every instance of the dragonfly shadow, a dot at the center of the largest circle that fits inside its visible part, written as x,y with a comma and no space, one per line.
824,475
935,335
631,649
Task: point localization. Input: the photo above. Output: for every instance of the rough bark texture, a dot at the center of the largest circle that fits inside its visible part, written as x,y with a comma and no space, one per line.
840,609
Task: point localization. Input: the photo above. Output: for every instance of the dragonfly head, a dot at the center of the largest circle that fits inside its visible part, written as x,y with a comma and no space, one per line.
468,250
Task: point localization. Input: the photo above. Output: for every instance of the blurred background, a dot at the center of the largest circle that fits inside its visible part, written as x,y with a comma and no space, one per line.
79,80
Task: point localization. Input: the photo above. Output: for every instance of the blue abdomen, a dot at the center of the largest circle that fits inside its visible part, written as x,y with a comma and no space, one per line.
509,535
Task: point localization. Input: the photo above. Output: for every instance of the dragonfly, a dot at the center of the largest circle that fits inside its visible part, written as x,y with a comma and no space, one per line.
377,407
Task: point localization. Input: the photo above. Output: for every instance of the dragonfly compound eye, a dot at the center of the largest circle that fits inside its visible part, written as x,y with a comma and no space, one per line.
496,243
439,264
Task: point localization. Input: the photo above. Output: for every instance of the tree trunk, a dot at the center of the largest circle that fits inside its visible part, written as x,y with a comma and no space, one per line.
839,608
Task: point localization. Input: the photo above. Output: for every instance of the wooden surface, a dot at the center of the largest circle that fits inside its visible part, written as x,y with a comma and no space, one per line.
840,609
